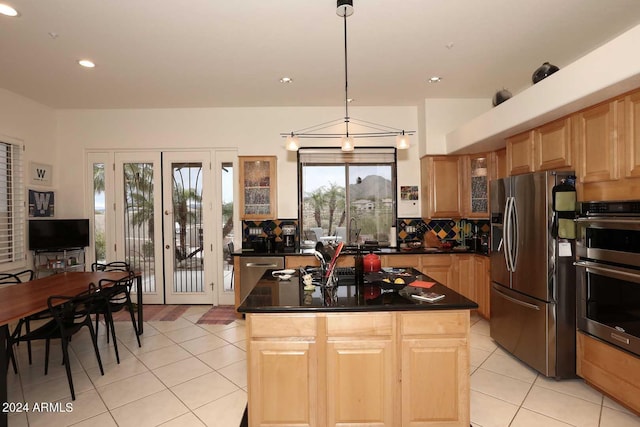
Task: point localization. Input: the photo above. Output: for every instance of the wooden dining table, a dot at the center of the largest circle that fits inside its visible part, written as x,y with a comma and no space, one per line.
24,299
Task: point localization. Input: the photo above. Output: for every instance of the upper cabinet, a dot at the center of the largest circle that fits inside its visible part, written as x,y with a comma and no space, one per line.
520,153
475,185
440,187
544,148
552,145
597,143
258,187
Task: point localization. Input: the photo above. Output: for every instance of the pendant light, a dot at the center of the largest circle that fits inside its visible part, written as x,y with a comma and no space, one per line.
372,130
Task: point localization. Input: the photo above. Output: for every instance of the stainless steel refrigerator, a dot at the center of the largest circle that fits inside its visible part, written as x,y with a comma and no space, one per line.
533,298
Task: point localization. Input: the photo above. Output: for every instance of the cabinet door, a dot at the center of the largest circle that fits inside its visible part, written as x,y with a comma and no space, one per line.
596,143
435,368
258,187
282,383
482,283
552,145
440,177
463,280
438,267
499,164
632,135
475,186
360,382
520,154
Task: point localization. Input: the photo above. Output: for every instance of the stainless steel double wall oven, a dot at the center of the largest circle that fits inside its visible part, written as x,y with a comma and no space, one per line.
608,272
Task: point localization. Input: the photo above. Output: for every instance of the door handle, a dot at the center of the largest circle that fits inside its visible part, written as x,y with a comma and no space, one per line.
517,301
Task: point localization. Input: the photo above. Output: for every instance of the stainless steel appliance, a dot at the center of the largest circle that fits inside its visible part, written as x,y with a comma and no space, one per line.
608,272
533,299
252,268
289,237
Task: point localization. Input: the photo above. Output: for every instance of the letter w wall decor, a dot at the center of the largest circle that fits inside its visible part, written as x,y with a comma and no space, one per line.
41,203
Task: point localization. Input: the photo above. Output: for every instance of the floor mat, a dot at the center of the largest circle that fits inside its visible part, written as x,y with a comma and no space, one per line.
154,312
219,315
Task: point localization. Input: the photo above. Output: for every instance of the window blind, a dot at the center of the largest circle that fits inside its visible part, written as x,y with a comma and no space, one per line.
12,205
337,156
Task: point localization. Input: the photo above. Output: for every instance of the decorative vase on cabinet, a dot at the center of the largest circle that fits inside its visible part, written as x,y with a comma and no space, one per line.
257,187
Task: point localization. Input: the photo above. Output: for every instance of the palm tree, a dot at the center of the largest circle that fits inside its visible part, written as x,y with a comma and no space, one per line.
333,196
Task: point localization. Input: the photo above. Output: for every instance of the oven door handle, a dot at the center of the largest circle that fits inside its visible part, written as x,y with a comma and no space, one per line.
611,272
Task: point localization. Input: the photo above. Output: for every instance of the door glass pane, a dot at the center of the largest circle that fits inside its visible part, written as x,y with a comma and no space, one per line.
188,232
227,175
99,212
139,236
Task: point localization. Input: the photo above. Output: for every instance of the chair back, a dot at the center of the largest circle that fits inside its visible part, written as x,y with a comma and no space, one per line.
19,277
111,266
73,312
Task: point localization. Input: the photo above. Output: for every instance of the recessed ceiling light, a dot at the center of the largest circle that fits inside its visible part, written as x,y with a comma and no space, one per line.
7,10
435,79
86,63
286,80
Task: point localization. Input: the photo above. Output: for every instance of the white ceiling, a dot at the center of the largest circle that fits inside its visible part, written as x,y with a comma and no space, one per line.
232,53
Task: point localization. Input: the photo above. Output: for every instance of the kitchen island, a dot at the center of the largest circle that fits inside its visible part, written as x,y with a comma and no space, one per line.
361,356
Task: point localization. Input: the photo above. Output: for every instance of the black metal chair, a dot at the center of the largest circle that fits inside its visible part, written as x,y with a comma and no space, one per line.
111,266
116,297
70,314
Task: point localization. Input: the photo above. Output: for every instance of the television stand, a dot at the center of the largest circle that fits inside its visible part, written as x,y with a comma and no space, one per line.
52,261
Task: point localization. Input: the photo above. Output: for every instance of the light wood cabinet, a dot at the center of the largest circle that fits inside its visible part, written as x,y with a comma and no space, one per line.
359,369
596,143
499,164
552,145
520,153
435,369
475,185
258,187
440,187
610,370
438,267
482,278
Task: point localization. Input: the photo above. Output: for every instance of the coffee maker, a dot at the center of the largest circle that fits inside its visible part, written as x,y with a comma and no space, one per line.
289,237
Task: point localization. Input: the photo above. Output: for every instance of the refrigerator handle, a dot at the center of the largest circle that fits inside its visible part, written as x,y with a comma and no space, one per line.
505,236
514,248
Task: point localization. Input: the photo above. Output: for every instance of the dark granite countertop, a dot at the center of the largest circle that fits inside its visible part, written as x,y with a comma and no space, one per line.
271,295
381,251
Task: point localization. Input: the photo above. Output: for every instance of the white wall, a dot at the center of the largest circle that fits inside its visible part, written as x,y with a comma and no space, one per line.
253,131
442,116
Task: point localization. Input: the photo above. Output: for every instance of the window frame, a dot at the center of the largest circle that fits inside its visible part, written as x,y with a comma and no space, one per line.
18,205
322,152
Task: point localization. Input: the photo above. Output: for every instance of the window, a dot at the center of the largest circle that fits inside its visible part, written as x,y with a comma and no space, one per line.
12,207
348,196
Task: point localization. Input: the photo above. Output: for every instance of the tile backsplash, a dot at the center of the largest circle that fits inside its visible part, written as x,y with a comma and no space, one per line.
407,229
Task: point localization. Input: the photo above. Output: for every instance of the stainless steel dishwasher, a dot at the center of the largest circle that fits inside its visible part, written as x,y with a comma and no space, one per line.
252,268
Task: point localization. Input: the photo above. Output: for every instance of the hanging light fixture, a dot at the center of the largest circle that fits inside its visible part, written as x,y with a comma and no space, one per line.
373,130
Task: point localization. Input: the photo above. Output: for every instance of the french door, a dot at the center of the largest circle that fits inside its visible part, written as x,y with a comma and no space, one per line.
162,221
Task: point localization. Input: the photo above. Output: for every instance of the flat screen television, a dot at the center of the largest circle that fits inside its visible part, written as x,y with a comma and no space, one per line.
51,234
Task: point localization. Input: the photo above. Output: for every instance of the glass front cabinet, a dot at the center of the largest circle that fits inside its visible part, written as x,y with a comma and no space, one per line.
258,187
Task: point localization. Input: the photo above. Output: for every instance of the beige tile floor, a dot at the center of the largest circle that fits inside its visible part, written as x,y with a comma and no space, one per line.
195,375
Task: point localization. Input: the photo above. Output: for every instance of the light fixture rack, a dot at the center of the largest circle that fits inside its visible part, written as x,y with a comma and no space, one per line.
345,9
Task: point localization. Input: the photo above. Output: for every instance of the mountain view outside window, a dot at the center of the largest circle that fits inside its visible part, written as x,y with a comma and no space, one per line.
354,202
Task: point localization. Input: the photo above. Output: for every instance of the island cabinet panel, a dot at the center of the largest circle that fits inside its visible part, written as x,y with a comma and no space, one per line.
407,368
283,389
435,369
361,377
